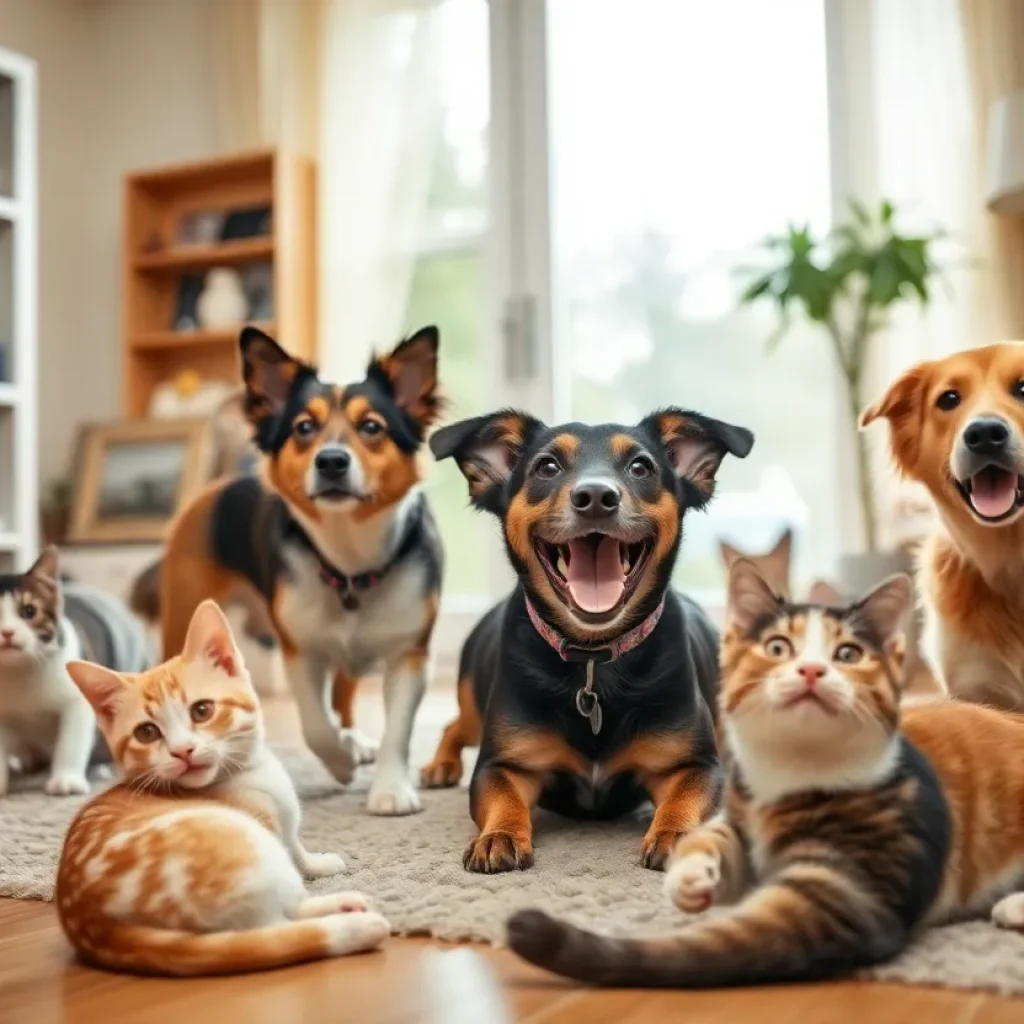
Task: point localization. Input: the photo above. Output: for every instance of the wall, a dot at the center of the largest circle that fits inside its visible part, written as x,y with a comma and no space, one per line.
123,85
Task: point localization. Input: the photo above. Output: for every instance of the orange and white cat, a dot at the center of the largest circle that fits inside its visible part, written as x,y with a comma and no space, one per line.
193,865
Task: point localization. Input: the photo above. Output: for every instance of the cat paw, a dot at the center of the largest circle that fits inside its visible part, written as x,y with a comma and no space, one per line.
495,852
657,848
1009,911
333,903
360,747
321,865
441,774
393,797
67,784
354,932
691,882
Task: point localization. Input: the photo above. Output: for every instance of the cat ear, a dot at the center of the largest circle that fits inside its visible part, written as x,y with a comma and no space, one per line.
750,597
209,637
783,546
100,686
47,564
728,552
882,613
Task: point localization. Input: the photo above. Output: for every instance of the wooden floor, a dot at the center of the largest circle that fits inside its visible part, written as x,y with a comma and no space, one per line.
413,981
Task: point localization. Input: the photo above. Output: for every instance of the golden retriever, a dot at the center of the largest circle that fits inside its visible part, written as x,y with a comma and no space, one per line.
957,426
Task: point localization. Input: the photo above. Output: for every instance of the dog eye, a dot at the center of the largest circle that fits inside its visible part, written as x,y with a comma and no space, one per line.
201,711
1018,389
779,647
370,428
848,654
147,732
640,467
28,611
547,468
305,428
948,400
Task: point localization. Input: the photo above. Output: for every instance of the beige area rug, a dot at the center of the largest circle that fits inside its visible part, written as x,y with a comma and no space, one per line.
412,868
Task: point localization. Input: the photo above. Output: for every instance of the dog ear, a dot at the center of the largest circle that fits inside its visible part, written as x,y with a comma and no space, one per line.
696,445
269,374
901,405
487,450
410,373
751,599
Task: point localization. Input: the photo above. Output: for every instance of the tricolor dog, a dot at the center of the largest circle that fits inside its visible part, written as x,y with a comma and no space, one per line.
592,688
337,537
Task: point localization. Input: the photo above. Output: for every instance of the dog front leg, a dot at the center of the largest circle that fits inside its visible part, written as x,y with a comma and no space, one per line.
307,678
392,791
683,800
501,798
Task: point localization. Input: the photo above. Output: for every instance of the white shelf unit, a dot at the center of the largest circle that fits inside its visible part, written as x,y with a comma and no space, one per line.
19,458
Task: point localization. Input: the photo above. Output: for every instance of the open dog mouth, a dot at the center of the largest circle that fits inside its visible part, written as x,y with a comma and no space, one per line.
993,493
596,571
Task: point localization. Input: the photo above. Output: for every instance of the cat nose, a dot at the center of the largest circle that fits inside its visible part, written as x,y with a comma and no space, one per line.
7,634
183,753
812,674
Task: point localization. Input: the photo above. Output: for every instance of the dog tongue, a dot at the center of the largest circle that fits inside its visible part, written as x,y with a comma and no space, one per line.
595,577
993,492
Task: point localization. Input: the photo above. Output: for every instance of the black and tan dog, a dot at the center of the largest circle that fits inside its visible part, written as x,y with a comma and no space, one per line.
336,536
592,687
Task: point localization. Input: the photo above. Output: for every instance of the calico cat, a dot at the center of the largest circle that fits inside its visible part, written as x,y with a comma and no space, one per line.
44,720
193,865
841,836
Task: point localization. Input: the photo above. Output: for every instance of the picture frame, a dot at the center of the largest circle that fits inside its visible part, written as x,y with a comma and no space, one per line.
134,476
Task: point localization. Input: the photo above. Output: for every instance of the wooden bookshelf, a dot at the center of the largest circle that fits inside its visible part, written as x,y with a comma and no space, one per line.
156,201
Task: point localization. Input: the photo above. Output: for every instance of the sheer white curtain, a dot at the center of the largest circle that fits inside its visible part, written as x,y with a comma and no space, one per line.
353,83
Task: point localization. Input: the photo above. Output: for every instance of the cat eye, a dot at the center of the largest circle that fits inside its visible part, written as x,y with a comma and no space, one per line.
778,647
949,399
305,428
147,732
848,654
28,611
201,711
546,468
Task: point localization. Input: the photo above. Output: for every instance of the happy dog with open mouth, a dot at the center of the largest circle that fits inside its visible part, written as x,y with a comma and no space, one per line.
337,537
957,426
592,687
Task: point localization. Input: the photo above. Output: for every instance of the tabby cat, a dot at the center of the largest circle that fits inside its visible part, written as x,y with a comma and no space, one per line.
193,865
841,835
44,720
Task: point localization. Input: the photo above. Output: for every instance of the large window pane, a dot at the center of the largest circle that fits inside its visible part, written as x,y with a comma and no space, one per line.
681,134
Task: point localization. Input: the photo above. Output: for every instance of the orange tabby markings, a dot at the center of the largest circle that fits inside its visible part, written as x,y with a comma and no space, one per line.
193,865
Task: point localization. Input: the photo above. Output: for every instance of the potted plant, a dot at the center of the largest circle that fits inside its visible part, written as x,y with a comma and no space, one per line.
848,283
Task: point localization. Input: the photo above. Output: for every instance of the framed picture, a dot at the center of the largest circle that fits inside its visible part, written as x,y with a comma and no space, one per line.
134,476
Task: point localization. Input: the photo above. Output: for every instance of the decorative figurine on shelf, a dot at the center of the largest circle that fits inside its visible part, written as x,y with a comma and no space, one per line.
187,395
222,302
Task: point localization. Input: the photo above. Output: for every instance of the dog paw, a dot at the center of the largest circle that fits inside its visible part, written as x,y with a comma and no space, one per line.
1009,911
321,865
360,747
393,797
67,784
657,848
441,774
494,852
691,882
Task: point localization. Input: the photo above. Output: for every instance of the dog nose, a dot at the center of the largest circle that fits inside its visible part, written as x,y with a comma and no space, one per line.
595,498
812,674
986,435
332,463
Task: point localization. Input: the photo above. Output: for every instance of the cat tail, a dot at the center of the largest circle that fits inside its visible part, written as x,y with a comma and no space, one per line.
144,950
808,923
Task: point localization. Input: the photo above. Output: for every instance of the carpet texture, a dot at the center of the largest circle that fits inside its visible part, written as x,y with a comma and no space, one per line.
412,868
